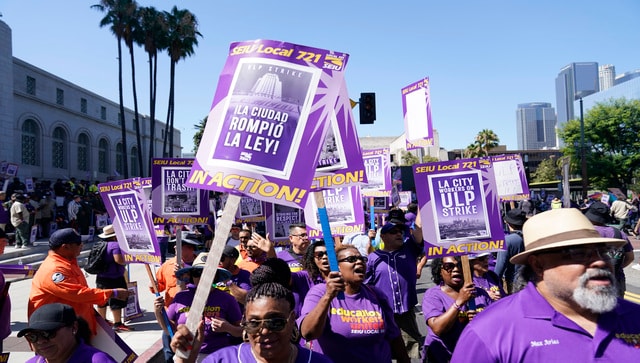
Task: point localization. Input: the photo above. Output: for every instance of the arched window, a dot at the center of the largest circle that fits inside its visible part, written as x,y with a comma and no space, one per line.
84,149
103,156
134,161
59,140
119,167
30,143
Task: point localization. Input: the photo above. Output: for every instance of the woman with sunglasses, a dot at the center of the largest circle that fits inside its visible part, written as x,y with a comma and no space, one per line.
56,334
269,324
484,278
221,315
315,270
362,320
448,307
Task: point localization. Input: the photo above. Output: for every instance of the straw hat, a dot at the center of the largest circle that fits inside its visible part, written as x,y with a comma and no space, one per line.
558,228
107,232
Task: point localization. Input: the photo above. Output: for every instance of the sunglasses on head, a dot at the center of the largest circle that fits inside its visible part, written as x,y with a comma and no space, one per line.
255,325
449,266
37,335
353,259
320,254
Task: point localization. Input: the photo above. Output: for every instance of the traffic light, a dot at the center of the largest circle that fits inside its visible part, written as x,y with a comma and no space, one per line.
367,108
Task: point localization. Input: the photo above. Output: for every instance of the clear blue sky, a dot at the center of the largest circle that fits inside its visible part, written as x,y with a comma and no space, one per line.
483,57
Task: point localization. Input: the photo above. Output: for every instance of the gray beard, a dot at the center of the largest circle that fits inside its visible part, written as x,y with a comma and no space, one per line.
599,299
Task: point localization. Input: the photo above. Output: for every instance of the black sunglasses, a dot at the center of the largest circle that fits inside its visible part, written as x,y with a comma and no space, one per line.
301,235
47,335
255,325
353,259
320,254
449,266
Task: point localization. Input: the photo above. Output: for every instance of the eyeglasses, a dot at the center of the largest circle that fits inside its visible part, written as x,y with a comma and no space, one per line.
449,266
320,254
301,235
255,325
353,259
583,255
47,335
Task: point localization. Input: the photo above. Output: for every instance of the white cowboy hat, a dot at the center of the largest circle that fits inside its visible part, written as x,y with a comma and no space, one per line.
107,232
558,228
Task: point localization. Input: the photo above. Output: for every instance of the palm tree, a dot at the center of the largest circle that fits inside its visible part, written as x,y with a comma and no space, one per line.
154,39
473,151
181,38
487,140
197,137
116,14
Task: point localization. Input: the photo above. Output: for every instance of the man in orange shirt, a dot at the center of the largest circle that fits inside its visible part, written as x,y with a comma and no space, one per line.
60,279
166,274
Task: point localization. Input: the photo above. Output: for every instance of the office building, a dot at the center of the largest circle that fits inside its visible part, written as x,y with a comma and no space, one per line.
536,126
606,76
574,81
629,90
626,76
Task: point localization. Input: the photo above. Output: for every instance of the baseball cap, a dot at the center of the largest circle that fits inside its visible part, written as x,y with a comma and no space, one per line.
50,317
230,251
396,216
64,236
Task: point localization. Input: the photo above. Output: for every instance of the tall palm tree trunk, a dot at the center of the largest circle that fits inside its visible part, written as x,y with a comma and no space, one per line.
123,123
136,117
173,107
152,106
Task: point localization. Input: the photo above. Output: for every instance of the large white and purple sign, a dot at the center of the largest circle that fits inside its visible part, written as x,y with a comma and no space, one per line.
269,115
126,203
174,202
511,177
279,218
459,207
378,169
344,209
416,109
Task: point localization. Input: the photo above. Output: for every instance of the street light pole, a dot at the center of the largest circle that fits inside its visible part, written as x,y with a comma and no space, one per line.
583,159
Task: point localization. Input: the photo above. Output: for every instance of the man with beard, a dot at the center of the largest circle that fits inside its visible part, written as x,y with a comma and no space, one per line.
568,311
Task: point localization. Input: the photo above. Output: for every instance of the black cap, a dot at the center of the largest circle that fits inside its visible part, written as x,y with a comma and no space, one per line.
50,317
515,217
64,236
598,212
396,216
230,251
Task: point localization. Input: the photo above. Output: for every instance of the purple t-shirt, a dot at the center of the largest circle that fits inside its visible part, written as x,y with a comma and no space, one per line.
114,270
242,353
525,328
489,281
83,353
394,274
294,261
434,303
219,305
363,322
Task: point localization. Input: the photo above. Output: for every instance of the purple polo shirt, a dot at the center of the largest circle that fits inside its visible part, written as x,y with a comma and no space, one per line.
219,305
434,303
83,353
358,328
394,273
294,261
525,328
114,270
489,281
242,353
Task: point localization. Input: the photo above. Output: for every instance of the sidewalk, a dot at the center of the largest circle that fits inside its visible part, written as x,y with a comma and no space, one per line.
144,340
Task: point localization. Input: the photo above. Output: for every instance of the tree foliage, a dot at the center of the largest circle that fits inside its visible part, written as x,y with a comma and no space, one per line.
197,137
612,145
484,141
409,158
548,170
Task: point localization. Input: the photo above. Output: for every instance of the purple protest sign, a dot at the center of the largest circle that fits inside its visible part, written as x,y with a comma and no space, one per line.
416,109
459,207
126,203
278,219
511,177
173,201
377,166
405,199
250,210
268,119
340,163
344,209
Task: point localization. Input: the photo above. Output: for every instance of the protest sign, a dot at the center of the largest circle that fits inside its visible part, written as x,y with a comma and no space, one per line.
126,203
278,219
416,109
405,199
12,169
250,210
377,166
269,116
173,201
510,176
459,207
344,210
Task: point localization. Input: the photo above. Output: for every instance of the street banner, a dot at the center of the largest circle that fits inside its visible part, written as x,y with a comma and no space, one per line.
340,163
127,205
378,169
174,202
278,219
459,207
250,210
511,177
416,109
344,209
268,120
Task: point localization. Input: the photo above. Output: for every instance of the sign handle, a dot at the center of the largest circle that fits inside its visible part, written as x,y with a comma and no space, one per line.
326,233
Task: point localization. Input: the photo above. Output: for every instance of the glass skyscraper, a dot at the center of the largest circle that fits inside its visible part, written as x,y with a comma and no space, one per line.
536,126
574,81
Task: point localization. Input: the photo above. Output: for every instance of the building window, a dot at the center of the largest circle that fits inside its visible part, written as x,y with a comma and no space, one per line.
58,148
30,143
83,152
31,86
119,159
134,161
59,96
83,105
103,156
103,113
